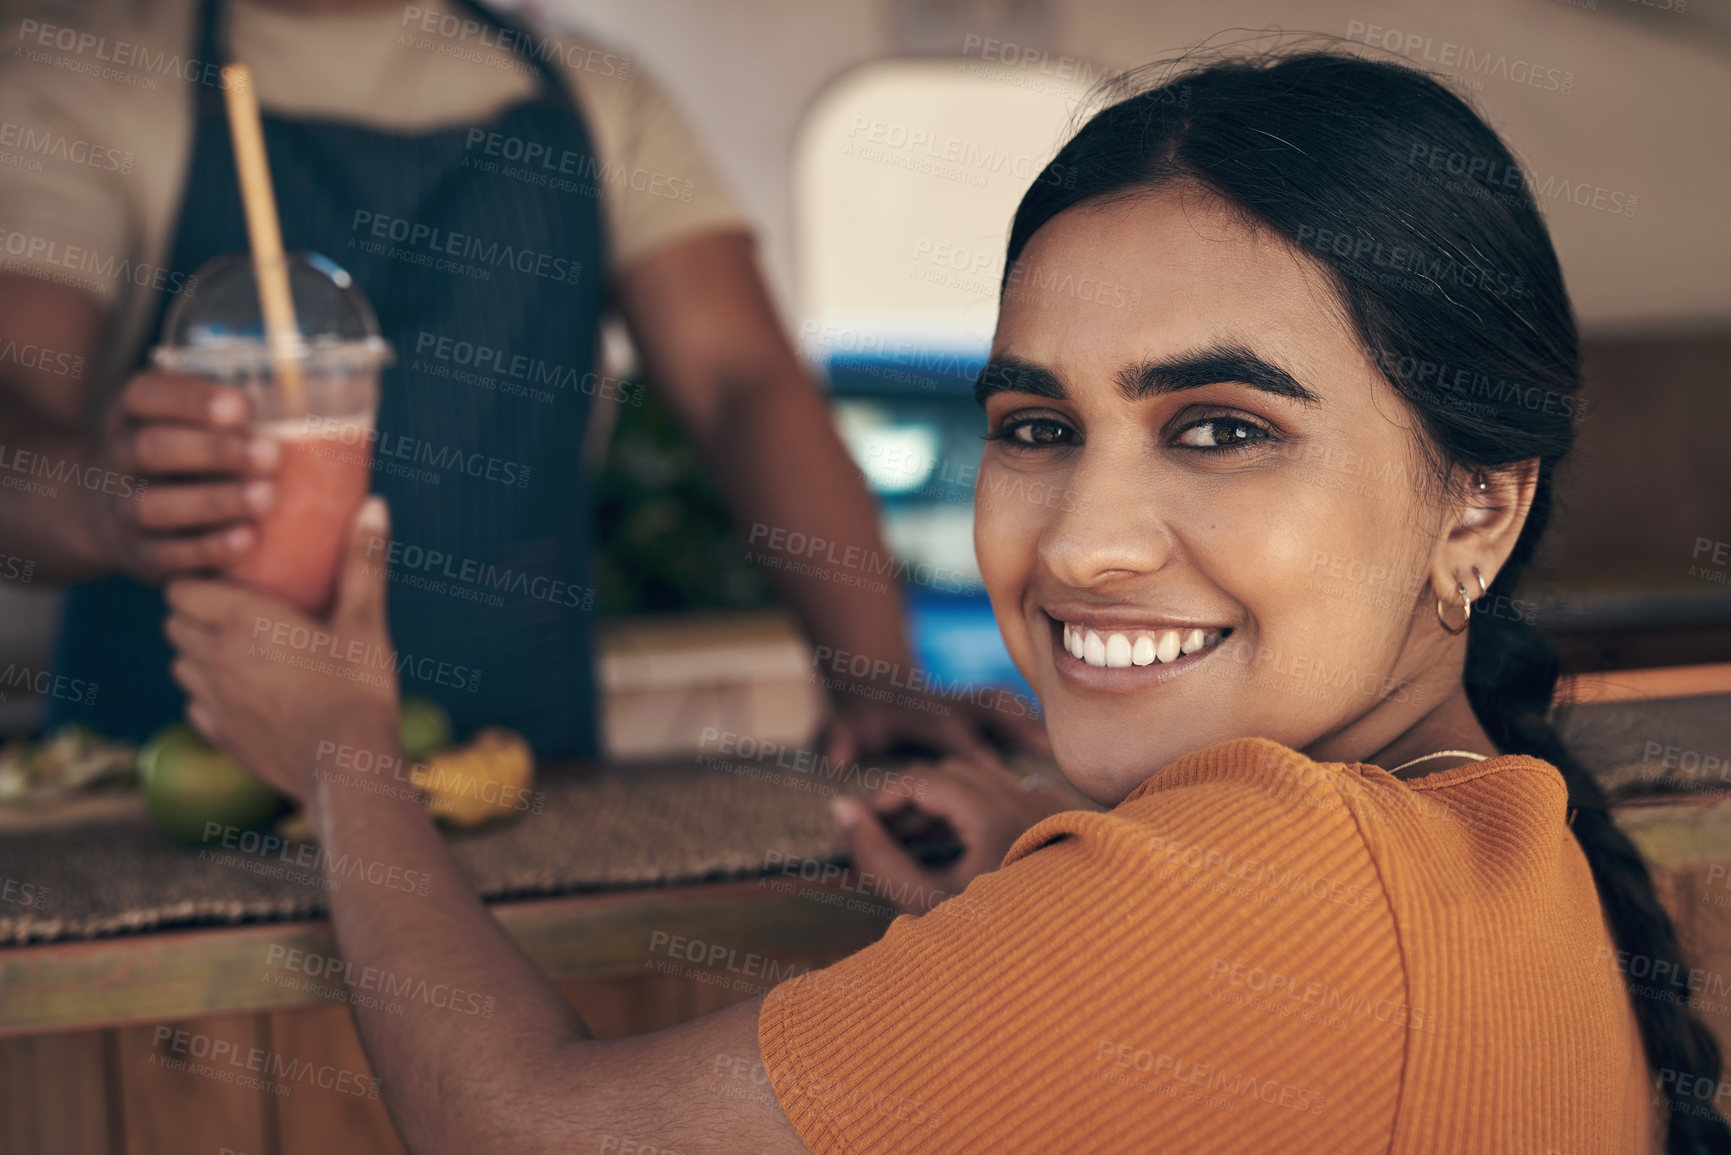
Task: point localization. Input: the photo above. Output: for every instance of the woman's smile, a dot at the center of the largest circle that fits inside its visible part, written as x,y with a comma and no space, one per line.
1118,652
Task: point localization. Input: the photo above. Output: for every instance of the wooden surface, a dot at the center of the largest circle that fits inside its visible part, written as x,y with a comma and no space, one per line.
108,1079
151,978
667,681
1646,685
116,1092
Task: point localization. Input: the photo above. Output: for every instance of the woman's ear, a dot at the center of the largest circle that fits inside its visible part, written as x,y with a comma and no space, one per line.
1482,526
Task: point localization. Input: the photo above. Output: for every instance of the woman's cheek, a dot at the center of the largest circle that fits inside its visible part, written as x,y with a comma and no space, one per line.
1007,530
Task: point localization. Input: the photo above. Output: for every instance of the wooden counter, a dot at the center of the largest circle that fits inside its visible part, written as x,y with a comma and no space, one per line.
86,1027
127,980
137,939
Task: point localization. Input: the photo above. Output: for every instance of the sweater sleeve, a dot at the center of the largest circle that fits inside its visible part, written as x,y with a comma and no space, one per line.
1208,967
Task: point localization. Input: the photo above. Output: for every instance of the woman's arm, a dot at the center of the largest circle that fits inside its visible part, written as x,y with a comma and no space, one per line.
528,1078
520,1074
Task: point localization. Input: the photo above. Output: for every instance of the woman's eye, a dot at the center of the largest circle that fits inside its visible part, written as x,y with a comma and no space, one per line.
1036,431
1223,433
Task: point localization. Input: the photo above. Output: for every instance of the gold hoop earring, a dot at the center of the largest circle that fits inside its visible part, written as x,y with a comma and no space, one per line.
1483,587
1466,607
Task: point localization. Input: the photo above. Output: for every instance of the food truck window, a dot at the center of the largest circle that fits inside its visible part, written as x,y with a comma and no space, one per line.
907,174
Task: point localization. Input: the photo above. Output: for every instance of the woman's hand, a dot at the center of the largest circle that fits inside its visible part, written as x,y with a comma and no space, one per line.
961,728
985,805
267,683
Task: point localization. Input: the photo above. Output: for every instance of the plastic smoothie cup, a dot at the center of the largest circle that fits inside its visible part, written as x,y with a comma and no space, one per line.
325,427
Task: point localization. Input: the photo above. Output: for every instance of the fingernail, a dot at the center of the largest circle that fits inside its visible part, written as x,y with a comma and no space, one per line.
257,495
846,812
238,538
373,514
263,452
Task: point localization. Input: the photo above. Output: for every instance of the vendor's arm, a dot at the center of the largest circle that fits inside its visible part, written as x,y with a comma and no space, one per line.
701,315
718,359
147,476
50,332
523,1077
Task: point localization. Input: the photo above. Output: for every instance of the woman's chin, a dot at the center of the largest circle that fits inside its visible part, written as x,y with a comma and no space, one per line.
1104,769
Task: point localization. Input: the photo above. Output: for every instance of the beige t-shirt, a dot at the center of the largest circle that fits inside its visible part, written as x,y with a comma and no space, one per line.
96,126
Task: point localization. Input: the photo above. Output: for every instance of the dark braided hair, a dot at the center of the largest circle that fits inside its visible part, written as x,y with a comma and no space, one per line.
1428,229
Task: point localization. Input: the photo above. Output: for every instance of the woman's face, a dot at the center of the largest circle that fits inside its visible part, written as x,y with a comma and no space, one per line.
1203,515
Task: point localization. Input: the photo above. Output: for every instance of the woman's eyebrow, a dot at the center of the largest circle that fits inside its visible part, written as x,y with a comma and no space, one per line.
1214,365
1211,366
1007,374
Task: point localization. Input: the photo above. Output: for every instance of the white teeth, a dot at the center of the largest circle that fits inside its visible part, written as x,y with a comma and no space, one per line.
1121,651
1166,648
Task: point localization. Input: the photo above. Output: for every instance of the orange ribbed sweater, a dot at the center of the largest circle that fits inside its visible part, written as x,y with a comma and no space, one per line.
1253,952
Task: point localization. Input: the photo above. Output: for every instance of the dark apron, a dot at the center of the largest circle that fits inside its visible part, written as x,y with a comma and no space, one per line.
490,608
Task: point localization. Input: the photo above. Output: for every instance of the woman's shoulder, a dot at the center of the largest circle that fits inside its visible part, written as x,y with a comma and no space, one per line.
1509,794
1252,938
1259,808
1261,762
1184,958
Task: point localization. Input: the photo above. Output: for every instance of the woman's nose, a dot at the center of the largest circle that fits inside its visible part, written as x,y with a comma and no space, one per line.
1109,526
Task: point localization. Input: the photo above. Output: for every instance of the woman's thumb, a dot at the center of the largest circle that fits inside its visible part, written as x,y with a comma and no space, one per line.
361,594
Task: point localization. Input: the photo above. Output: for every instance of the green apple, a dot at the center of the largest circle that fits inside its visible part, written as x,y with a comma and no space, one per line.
190,785
426,728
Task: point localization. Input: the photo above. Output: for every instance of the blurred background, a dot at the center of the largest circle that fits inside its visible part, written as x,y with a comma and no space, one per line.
881,146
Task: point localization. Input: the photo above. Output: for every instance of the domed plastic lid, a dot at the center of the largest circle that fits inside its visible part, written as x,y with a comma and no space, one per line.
216,328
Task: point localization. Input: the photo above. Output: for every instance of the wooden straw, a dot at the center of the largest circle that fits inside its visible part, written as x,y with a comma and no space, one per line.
265,234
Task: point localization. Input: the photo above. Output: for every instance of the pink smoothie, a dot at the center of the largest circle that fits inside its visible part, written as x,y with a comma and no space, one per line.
325,474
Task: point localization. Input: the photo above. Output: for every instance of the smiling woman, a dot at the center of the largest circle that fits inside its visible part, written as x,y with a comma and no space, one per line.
1330,359
1312,427
1315,426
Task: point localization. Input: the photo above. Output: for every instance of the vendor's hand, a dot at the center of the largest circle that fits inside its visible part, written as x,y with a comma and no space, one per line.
984,804
205,478
912,721
249,696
